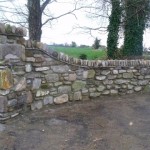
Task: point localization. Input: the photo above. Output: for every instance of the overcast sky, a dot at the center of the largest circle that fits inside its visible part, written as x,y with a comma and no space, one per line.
61,30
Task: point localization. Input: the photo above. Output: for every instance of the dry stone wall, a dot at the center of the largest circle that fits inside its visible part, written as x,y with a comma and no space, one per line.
32,75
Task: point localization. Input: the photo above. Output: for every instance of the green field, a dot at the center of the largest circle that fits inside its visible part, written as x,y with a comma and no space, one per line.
77,51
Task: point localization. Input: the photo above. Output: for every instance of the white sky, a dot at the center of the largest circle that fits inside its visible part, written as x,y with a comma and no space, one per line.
61,30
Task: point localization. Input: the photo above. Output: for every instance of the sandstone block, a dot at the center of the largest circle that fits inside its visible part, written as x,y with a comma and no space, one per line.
6,79
61,99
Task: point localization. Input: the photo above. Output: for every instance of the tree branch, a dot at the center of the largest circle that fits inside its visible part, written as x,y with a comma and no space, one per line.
44,5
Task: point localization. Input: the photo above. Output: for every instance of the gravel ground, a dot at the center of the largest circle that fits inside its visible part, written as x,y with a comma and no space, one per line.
107,123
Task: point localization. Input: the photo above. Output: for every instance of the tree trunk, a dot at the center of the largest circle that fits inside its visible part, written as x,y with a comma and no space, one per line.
35,20
113,29
135,21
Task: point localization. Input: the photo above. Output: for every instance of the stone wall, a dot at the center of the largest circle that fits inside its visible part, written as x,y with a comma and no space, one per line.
32,76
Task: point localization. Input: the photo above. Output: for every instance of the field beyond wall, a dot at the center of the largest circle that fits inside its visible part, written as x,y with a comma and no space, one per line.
91,53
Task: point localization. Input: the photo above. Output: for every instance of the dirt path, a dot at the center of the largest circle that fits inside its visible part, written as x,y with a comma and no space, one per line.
108,123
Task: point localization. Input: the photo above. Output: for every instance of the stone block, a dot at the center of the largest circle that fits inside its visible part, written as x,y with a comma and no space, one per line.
122,71
105,72
29,97
108,82
130,87
52,77
15,49
64,89
128,75
140,77
22,84
72,77
41,68
121,81
138,88
89,74
61,99
84,91
3,39
2,28
22,100
6,79
12,103
48,100
60,68
146,89
130,92
110,77
100,78
58,83
36,105
85,97
143,82
78,85
36,83
3,104
114,92
11,56
42,93
28,68
92,90
101,88
147,77
77,96
106,92
115,72
96,94
39,58
4,92
30,59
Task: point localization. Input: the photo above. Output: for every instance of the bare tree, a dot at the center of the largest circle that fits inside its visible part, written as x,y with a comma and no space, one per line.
35,14
98,11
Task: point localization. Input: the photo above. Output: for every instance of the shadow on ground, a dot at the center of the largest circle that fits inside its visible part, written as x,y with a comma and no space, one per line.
107,123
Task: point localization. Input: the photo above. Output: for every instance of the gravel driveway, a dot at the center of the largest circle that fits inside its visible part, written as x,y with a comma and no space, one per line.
107,123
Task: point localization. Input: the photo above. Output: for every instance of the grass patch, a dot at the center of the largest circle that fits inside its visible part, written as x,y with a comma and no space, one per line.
77,52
